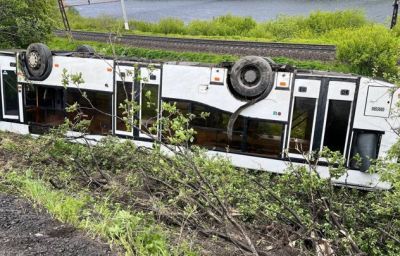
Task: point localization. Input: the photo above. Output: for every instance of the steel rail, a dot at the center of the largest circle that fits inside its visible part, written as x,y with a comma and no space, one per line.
241,48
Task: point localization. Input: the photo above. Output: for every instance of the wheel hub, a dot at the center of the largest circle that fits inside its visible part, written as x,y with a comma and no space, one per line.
33,60
250,76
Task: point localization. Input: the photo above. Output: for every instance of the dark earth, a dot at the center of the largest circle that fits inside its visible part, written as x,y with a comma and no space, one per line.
25,230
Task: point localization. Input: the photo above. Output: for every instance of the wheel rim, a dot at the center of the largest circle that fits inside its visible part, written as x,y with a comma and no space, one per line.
34,60
250,75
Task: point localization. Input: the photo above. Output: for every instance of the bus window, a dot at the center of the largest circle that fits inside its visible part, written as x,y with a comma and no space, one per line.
44,105
302,125
97,108
364,149
10,93
212,131
337,123
264,138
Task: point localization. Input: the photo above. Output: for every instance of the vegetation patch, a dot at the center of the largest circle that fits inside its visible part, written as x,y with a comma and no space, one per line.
364,47
135,232
128,194
107,49
24,21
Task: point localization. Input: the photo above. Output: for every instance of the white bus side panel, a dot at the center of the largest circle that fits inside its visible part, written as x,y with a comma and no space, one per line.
14,127
192,83
5,62
97,74
365,120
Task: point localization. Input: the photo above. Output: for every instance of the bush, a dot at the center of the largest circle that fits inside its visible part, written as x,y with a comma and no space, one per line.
284,27
368,50
227,25
322,22
234,25
170,26
142,26
23,22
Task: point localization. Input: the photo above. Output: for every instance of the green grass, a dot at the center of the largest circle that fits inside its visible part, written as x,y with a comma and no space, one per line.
58,43
135,232
283,28
363,47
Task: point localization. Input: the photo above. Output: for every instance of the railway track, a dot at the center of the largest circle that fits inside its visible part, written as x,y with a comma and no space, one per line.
240,48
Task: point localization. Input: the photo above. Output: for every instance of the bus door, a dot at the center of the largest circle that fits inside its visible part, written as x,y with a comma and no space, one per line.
148,98
11,95
334,126
303,117
321,115
123,97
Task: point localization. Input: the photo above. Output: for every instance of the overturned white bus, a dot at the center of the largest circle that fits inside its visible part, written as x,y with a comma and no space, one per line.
269,111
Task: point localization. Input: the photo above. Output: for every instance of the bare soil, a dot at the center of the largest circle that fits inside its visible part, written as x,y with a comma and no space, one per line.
25,230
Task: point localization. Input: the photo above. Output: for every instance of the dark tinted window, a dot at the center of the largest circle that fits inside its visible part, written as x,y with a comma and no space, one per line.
97,109
212,131
44,105
10,90
302,125
364,149
264,138
336,125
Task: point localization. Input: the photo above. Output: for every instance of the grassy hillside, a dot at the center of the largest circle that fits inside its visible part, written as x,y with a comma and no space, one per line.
149,203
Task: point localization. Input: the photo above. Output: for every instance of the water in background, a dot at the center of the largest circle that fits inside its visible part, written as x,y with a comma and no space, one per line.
260,10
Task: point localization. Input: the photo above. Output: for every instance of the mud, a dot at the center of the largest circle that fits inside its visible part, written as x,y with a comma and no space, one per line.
25,230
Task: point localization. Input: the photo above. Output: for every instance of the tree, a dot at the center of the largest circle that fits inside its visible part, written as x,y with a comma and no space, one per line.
26,21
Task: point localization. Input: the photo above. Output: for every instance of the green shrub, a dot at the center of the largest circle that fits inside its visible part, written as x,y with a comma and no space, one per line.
368,50
199,27
284,27
227,25
24,21
234,25
142,26
170,26
322,22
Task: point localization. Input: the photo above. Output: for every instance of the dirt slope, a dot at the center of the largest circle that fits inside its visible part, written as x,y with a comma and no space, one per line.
26,231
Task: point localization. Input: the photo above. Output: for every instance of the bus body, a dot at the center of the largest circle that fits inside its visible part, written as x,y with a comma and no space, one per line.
304,112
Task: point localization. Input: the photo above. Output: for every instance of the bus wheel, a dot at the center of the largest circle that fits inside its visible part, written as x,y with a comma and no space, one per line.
85,48
38,62
251,76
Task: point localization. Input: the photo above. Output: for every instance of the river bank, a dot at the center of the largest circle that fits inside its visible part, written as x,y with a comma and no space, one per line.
260,10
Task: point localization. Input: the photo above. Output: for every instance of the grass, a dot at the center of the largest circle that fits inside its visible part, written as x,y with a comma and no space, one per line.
149,194
284,28
136,232
59,43
363,47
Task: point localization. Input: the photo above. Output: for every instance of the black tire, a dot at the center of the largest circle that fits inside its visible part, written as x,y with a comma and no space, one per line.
251,76
85,48
38,62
